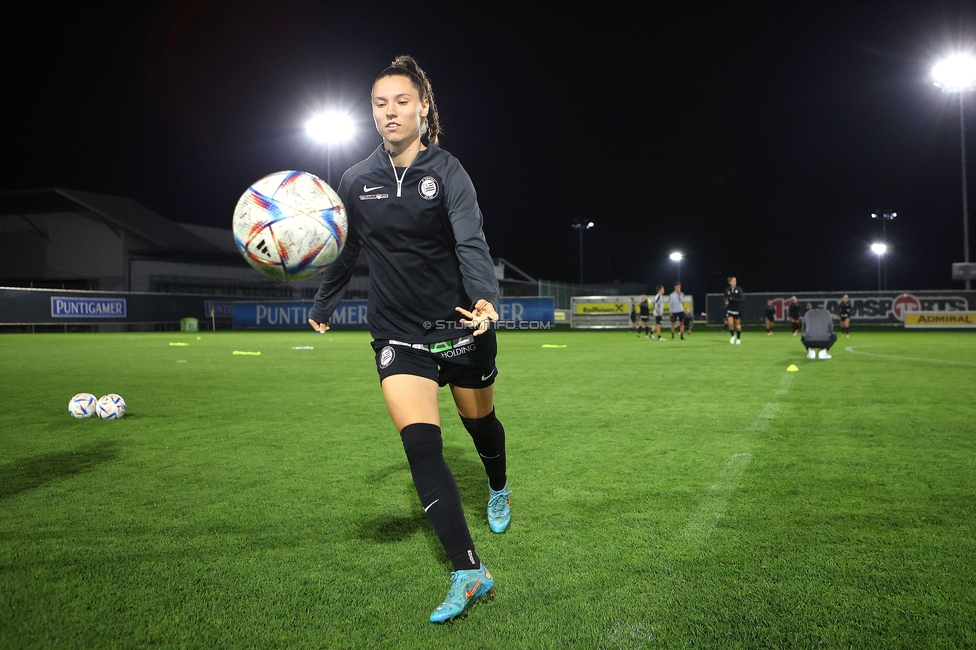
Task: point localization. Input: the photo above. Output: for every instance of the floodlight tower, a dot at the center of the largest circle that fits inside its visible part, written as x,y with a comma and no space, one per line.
957,74
330,128
581,227
879,249
885,218
676,257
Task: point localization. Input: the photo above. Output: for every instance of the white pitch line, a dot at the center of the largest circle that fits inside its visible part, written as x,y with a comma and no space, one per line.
764,418
703,522
784,385
853,349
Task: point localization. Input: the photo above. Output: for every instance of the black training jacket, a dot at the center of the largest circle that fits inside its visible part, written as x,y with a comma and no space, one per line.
424,245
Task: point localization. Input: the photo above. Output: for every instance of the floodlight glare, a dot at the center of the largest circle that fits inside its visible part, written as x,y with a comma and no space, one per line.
331,128
956,73
676,256
879,249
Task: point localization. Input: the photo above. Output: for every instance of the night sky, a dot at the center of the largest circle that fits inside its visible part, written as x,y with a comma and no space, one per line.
756,138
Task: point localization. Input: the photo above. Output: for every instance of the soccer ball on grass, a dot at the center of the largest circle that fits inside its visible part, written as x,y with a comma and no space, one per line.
82,405
110,407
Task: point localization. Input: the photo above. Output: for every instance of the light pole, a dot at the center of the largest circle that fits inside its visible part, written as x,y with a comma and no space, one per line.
676,257
957,74
581,227
879,249
330,128
885,218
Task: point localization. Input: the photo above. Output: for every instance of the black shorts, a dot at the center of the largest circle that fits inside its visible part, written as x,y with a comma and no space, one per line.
657,320
732,313
677,316
467,362
845,316
644,319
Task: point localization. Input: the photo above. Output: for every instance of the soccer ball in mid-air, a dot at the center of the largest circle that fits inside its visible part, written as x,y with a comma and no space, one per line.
110,407
290,225
82,405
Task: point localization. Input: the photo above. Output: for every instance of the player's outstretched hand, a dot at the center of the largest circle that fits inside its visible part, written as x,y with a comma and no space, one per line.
321,328
478,318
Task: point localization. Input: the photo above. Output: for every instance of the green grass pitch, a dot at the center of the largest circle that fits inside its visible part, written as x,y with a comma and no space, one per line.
677,494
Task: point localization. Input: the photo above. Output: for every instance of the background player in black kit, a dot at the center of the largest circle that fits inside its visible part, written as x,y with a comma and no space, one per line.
793,311
432,296
844,311
645,317
733,310
770,314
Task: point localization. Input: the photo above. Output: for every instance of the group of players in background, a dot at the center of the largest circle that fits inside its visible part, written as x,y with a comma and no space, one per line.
680,320
793,313
640,313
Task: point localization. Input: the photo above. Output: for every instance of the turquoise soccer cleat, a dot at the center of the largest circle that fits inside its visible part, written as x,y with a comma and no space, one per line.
466,587
499,509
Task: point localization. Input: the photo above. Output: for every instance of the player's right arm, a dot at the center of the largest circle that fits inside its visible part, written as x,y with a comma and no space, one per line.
338,274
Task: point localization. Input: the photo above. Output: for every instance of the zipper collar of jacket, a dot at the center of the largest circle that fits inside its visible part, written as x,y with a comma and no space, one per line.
399,179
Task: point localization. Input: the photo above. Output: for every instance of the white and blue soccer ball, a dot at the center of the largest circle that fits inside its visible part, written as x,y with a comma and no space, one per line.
290,225
82,405
110,407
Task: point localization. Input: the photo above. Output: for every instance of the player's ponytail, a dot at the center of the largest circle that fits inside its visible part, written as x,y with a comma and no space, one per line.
406,66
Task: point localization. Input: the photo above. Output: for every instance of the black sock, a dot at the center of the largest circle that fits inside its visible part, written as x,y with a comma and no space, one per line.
489,439
738,334
438,492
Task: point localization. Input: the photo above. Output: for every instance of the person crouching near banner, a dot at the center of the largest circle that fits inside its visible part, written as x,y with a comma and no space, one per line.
818,332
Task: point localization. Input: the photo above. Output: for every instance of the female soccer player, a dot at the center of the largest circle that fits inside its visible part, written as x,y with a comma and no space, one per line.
733,311
793,311
645,317
770,314
432,298
844,309
658,301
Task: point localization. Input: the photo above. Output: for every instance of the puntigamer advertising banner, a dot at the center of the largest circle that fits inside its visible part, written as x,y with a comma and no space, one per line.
866,306
513,313
83,308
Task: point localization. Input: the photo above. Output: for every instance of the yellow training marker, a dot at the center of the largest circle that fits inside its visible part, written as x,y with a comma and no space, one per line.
179,345
792,368
550,345
247,354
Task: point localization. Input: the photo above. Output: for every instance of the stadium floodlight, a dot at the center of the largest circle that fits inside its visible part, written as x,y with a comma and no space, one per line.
330,128
885,218
676,257
879,249
581,227
957,74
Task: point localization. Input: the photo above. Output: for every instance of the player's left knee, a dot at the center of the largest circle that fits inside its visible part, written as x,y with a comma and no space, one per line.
488,425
